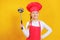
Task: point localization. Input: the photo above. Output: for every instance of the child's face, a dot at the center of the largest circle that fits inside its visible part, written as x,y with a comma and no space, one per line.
35,14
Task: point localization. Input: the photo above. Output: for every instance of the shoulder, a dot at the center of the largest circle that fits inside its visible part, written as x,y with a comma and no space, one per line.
41,24
28,22
41,21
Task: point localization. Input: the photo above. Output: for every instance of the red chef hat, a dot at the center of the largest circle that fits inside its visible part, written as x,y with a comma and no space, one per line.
34,6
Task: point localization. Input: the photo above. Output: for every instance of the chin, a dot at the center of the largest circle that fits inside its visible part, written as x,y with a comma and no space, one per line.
35,18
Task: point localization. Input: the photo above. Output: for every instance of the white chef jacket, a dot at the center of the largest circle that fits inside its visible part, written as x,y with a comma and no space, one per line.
36,24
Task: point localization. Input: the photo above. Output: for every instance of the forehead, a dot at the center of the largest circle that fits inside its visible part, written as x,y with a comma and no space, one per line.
34,11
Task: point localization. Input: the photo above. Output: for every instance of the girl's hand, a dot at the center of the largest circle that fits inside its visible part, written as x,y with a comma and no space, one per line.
21,25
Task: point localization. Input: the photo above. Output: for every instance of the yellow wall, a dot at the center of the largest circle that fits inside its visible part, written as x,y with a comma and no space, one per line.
10,18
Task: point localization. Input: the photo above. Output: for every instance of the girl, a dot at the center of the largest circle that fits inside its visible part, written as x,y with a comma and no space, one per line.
34,27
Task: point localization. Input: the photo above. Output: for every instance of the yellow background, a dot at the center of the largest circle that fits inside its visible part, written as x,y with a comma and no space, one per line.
10,18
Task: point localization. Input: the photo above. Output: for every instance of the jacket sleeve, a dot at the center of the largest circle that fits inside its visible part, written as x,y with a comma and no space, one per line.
49,30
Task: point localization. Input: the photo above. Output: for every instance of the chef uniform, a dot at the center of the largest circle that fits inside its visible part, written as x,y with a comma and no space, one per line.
34,31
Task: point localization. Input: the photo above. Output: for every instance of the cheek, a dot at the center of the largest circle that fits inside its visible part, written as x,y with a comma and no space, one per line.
37,14
32,15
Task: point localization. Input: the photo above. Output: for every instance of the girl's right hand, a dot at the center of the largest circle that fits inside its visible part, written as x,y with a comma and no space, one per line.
21,25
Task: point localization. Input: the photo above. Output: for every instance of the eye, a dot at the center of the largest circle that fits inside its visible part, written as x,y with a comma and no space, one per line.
36,13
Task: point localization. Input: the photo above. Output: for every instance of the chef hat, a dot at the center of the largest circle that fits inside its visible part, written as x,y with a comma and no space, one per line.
34,6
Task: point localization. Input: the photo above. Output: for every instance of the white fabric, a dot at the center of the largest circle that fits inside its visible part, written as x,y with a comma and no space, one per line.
36,23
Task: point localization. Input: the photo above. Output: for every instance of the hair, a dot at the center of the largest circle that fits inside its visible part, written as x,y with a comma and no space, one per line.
30,21
30,17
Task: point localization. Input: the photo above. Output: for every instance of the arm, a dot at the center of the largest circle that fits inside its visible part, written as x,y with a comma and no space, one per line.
49,30
26,31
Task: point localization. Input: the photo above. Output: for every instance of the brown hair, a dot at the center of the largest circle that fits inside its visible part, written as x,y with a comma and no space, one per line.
30,17
30,21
